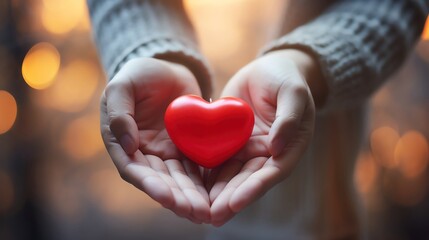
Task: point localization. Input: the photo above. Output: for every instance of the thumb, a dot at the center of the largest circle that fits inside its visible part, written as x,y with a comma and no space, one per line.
120,111
291,104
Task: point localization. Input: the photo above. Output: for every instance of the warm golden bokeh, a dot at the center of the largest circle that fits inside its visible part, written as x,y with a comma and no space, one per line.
118,197
7,192
75,86
405,191
40,65
62,16
425,34
383,141
215,43
232,32
82,139
8,111
366,173
412,154
85,23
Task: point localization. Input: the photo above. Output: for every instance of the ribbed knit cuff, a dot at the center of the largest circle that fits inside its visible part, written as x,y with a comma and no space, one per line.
357,44
127,29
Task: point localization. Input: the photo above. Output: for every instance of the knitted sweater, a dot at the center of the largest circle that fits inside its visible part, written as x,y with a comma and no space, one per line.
358,44
126,29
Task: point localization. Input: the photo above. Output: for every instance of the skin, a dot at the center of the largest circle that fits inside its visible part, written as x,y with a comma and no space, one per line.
282,87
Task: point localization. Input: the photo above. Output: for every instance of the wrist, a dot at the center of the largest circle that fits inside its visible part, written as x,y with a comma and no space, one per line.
184,74
310,70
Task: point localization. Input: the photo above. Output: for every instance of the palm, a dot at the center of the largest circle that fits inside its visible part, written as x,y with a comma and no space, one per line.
153,137
264,111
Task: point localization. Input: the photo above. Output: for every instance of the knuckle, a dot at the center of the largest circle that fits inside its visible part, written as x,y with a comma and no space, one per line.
123,175
292,120
118,124
298,89
117,120
143,61
111,87
146,70
151,65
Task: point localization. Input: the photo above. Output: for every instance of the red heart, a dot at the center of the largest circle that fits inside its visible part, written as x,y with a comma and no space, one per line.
209,133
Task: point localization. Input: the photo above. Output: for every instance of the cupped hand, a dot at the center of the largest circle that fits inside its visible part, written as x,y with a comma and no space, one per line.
275,87
132,125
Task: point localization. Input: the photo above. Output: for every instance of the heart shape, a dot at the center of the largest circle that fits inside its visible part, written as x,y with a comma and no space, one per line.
209,133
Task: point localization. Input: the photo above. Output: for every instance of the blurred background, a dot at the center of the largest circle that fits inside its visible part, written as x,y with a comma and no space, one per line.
57,180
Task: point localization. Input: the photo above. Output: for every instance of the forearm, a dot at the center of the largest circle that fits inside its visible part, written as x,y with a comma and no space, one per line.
355,46
127,29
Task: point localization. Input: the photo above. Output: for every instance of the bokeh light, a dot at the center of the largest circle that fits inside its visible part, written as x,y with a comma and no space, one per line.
62,16
8,111
425,34
246,26
366,172
40,65
7,192
229,43
76,85
405,191
383,141
118,197
412,154
82,139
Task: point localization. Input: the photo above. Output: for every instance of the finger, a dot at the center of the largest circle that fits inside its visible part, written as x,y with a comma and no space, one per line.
221,209
253,188
225,173
256,146
210,176
200,209
274,170
194,220
193,172
104,119
220,176
291,103
136,170
181,204
182,207
147,174
120,103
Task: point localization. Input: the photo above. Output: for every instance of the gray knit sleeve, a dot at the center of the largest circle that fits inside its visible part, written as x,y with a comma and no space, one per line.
127,29
358,44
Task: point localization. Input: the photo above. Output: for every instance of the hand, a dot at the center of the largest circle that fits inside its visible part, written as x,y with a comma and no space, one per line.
132,125
276,89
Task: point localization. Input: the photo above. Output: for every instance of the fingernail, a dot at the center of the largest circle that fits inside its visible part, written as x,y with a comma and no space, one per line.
277,146
127,143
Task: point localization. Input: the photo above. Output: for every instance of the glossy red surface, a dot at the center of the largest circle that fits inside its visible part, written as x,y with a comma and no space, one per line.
209,133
